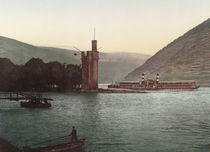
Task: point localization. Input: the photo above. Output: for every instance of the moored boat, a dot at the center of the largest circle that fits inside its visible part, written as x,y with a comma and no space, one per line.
29,100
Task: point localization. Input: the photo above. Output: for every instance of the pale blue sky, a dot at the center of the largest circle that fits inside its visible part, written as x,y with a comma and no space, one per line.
143,26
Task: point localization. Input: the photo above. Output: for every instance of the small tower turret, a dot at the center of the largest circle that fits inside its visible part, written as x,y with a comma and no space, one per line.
94,45
94,42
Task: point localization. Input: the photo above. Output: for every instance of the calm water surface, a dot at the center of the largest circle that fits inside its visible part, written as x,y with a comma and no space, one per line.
155,121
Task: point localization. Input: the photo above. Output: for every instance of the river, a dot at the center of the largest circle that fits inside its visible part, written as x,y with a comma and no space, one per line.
149,122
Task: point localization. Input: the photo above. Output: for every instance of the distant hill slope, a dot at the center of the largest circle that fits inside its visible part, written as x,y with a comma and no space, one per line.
115,66
19,52
112,66
186,58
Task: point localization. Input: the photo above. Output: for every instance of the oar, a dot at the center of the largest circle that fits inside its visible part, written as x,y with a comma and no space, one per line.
49,140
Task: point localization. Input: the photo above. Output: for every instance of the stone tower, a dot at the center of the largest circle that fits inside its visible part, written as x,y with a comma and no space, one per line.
90,68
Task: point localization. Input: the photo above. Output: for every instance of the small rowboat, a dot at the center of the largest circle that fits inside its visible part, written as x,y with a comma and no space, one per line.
62,147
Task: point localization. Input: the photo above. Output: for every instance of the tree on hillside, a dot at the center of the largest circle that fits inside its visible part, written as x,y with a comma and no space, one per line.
36,75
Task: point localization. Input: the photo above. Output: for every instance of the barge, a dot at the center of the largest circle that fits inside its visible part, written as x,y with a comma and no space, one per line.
29,100
150,84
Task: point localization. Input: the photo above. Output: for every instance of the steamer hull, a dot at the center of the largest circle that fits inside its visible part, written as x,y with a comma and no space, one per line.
155,87
150,84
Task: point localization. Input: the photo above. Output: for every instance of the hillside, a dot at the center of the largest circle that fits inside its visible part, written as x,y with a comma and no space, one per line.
186,58
112,66
115,66
19,52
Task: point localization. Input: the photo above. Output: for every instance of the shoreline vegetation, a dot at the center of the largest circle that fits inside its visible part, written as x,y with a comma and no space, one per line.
37,76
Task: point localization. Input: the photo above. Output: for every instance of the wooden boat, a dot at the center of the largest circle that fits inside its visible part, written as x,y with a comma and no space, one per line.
62,147
29,100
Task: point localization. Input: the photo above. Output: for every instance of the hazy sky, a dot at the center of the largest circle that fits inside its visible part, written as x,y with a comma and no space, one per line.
142,26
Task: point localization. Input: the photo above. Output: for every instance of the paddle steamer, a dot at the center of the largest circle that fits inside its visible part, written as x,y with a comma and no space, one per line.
150,84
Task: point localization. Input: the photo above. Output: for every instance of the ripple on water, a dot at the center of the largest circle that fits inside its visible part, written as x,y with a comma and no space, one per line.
155,121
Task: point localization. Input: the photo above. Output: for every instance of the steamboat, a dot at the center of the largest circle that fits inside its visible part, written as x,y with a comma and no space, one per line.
150,84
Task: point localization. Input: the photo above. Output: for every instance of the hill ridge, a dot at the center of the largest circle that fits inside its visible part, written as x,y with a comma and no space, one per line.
111,66
184,58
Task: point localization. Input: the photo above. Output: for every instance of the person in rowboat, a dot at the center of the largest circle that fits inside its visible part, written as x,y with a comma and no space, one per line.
73,135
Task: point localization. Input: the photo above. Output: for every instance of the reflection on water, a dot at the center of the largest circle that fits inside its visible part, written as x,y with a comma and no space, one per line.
156,121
